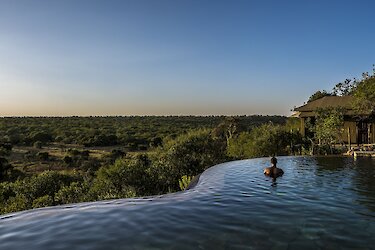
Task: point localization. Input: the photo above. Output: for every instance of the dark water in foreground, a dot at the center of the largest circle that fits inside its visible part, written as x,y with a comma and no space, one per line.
319,203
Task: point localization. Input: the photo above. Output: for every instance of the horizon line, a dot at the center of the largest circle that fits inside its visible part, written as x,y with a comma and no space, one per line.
105,116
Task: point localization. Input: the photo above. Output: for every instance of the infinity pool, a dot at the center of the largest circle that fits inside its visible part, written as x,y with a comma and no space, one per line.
319,203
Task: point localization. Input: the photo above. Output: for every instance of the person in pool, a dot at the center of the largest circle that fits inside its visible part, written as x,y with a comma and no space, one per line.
273,171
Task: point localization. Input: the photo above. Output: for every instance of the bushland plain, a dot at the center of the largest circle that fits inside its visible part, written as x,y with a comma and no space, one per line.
56,160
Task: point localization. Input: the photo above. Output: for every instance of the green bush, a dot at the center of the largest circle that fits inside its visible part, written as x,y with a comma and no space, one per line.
41,136
38,144
68,160
163,175
43,156
15,203
184,181
6,191
48,183
5,169
75,192
44,201
126,177
114,155
265,140
192,153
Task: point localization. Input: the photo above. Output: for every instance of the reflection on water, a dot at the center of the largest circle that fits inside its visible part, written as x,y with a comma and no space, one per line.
356,174
319,203
364,181
274,183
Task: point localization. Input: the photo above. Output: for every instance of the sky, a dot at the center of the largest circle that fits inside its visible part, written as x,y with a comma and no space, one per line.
177,57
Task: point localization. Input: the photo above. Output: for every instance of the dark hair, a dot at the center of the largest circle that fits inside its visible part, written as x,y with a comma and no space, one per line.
273,160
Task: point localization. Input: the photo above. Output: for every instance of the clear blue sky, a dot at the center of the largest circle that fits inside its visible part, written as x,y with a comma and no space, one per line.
164,57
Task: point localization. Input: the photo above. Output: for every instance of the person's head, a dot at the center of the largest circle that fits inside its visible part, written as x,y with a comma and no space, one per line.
273,161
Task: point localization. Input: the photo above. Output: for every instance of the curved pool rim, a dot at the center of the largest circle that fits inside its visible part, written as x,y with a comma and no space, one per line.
319,203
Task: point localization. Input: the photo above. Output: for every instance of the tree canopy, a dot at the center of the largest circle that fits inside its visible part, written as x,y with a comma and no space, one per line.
329,124
364,96
318,94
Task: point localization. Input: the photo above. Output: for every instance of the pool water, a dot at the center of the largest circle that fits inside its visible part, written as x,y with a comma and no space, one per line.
319,203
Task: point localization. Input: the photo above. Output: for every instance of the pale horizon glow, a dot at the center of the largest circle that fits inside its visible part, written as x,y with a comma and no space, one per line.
101,58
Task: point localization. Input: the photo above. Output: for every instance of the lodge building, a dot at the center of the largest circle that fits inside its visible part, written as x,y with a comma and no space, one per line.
358,128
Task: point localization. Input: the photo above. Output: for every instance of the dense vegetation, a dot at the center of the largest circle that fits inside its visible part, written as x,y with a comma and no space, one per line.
52,161
131,132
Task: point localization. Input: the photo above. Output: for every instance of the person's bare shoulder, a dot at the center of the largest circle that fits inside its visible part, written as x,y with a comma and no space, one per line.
267,171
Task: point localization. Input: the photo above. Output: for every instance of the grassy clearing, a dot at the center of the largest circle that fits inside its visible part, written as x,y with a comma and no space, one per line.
25,158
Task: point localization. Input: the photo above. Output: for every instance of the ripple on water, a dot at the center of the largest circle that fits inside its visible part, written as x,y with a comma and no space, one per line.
319,203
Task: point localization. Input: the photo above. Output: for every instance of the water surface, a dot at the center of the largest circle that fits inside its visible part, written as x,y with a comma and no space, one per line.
319,203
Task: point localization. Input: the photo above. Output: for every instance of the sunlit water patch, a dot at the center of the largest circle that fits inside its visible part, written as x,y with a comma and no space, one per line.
319,203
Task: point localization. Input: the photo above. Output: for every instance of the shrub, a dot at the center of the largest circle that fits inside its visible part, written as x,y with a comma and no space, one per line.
192,153
6,191
47,183
38,144
43,201
127,174
75,192
184,181
15,203
68,160
265,140
43,156
41,136
5,168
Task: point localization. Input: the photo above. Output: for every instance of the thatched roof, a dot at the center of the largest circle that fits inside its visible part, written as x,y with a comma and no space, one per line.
327,101
309,109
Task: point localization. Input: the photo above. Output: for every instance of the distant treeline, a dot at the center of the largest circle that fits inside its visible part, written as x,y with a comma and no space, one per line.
133,132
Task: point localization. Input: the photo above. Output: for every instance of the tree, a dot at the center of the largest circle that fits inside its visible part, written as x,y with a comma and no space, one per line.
318,94
5,167
114,155
43,156
46,183
364,96
227,129
156,142
329,125
125,178
184,182
75,192
41,136
345,88
192,153
38,144
265,140
43,201
68,160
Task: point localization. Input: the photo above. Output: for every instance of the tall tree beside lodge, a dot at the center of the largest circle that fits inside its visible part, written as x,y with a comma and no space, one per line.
364,95
362,90
329,126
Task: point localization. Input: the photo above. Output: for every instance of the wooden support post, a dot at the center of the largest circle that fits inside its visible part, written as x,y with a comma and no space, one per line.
303,127
357,134
349,138
369,133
